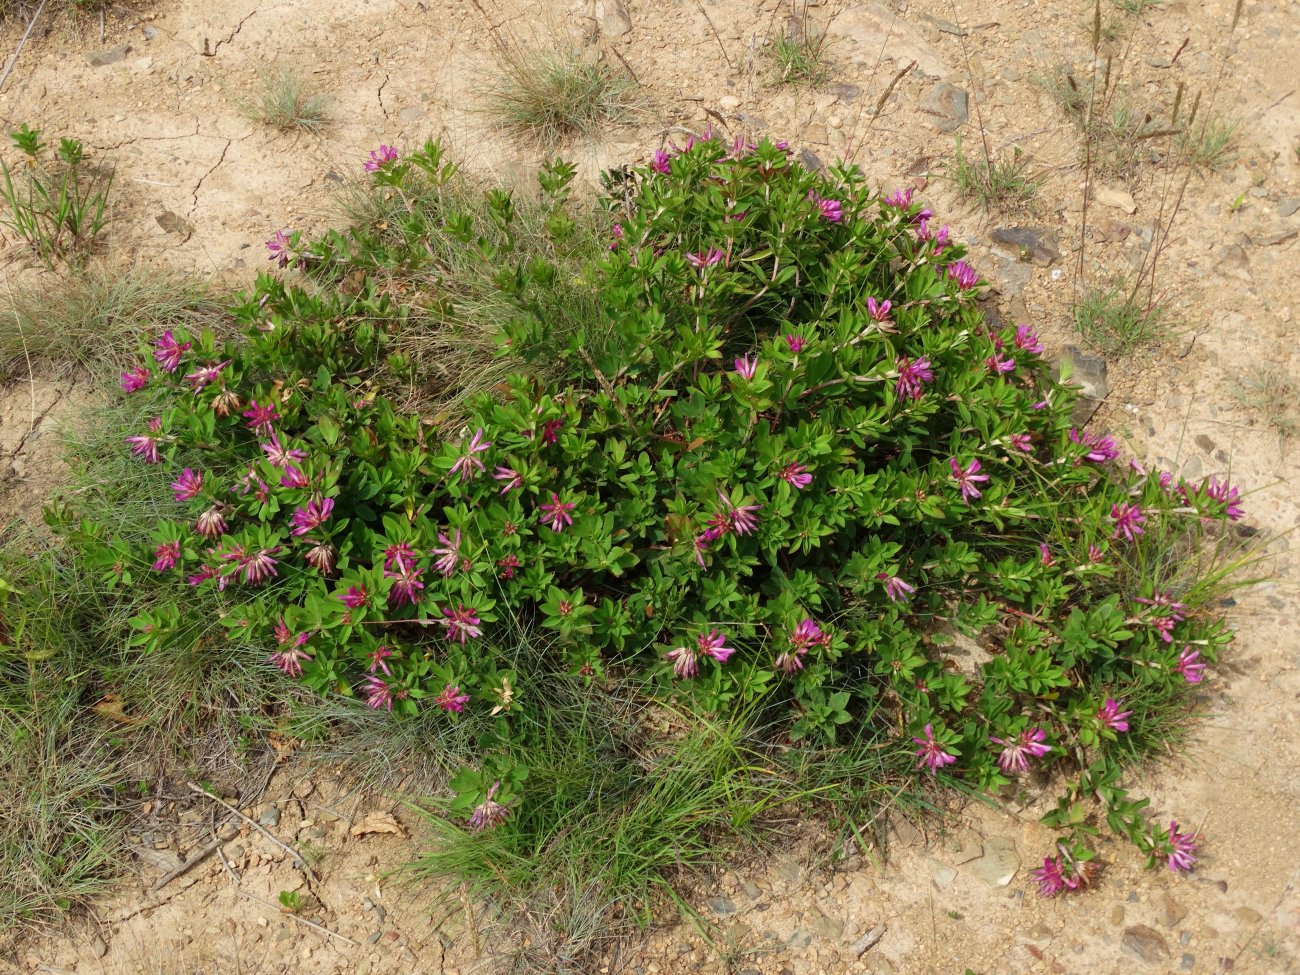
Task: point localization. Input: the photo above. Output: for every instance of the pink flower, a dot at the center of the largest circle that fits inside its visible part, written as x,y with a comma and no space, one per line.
311,515
166,556
321,557
1045,554
1110,715
467,465
879,310
745,367
291,654
931,753
280,455
488,814
510,479
135,380
461,624
379,158
1182,854
966,478
686,663
1053,877
188,485
703,259
1095,554
617,233
451,698
712,643
912,374
292,477
1027,340
740,520
1100,448
797,476
508,564
796,343
145,447
1031,743
901,198
355,597
1128,520
997,364
378,694
895,588
260,418
400,555
201,377
660,161
1020,441
378,656
803,638
556,513
1166,612
406,586
167,351
259,567
448,555
1189,665
211,524
962,273
829,210
1220,492
550,432
938,238
277,248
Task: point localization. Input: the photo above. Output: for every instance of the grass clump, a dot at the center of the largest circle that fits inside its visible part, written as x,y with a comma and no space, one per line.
1210,143
553,97
998,183
1274,393
800,51
1116,321
283,101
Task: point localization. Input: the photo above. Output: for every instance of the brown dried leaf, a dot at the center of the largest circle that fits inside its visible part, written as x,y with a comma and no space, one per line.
377,822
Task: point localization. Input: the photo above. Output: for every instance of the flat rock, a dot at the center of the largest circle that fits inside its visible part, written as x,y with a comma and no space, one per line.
1037,244
1276,234
174,224
1171,912
948,103
1010,277
846,92
810,159
109,55
722,906
612,17
1288,206
1088,372
999,864
1112,196
1144,943
861,29
942,874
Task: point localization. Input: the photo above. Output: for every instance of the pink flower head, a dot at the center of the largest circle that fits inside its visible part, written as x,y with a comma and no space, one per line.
510,479
377,693
967,477
167,351
745,367
1182,853
508,563
467,465
489,813
703,259
260,418
901,198
166,556
451,698
963,274
355,597
399,557
378,656
188,485
997,364
796,343
895,588
551,432
291,654
293,477
879,310
1095,554
379,158
1027,340
135,380
321,557
1045,554
211,524
556,514
912,375
259,566
703,541
829,210
686,663
1190,666
1128,520
277,248
660,161
796,475
712,643
931,754
311,515
742,519
448,554
1053,877
461,624
807,635
279,455
203,376
939,238
145,447
1112,717
406,586
617,234
1031,743
1100,448
1220,492
1020,441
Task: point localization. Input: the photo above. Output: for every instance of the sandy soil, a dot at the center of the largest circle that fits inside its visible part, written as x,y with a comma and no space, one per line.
953,895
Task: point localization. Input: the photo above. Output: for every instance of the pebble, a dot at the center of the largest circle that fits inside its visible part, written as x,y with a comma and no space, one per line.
1288,206
1120,199
1188,960
109,55
942,874
1171,911
269,815
1117,914
721,906
999,863
729,102
1037,244
949,104
1144,943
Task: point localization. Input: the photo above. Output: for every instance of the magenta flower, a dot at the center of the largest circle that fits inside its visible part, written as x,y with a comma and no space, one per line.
508,563
467,465
1166,613
807,635
1095,553
277,248
796,343
967,478
488,814
938,238
997,364
135,380
712,643
703,541
1190,666
745,367
556,513
321,557
260,418
879,310
901,198
211,524
145,447
377,693
1053,877
292,477
931,753
510,479
377,657
311,515
451,698
379,158
1015,756
1027,340
166,556
201,377
551,432
660,161
1100,449
1045,554
279,455
203,575
400,557
895,588
291,654
188,485
703,259
829,210
1128,520
1219,491
167,351
796,475
448,555
741,520
260,566
1182,855
406,586
686,663
965,275
912,374
1112,717
1020,441
355,597
461,624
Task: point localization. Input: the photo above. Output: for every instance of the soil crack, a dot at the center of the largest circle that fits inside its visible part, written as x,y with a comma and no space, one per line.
198,186
212,53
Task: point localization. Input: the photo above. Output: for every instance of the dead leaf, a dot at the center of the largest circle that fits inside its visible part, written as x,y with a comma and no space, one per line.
378,822
110,706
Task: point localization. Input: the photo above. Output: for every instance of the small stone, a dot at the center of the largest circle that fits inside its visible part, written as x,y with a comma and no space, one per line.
1269,236
729,103
999,863
1193,467
1144,943
227,831
109,55
1204,442
825,926
269,815
1088,372
150,33
1234,260
810,160
721,906
949,104
1188,960
1117,914
815,133
750,890
1171,912
1037,244
846,92
1288,206
800,939
97,947
942,874
1039,932
1248,915
612,17
374,937
412,114
1110,196
303,788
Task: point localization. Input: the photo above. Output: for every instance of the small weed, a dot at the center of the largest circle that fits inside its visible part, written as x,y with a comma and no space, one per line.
997,184
1135,6
1116,322
800,51
283,101
1115,127
554,97
1275,395
1210,143
290,901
